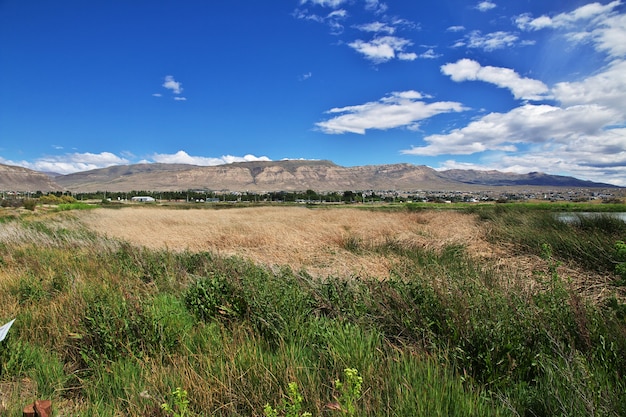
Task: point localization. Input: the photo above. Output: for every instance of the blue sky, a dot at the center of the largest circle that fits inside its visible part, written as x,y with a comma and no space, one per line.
518,85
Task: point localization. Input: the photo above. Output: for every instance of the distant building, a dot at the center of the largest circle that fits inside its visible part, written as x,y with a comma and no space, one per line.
143,199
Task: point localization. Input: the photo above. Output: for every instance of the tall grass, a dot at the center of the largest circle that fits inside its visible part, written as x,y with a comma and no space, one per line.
588,241
105,328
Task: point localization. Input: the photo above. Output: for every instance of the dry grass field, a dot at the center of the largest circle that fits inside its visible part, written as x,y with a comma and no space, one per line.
310,239
319,241
473,311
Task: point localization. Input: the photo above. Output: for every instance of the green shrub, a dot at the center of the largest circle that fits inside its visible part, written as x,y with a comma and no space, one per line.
215,296
29,204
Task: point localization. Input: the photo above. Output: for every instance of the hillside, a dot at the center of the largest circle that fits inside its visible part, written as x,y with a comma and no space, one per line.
14,178
262,176
299,175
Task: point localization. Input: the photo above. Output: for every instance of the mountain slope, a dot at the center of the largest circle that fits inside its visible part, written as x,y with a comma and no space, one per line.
296,175
14,178
499,179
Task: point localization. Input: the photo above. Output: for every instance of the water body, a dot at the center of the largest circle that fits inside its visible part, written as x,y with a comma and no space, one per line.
574,217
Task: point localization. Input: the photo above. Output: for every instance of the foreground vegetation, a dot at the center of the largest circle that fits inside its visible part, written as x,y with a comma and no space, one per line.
104,328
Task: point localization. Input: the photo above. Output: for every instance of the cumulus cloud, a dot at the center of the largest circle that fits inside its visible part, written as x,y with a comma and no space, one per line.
72,162
529,124
77,162
594,22
174,86
470,70
609,35
171,84
182,157
602,160
384,48
399,109
587,12
606,88
484,6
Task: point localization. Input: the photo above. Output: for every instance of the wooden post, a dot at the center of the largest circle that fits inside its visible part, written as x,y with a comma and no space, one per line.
43,408
29,411
40,408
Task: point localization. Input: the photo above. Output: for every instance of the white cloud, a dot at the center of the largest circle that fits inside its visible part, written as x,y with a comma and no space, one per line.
333,19
522,88
375,6
73,162
594,22
490,41
77,162
610,35
157,95
542,162
429,54
484,6
324,3
377,27
603,159
180,98
171,84
399,109
384,48
606,88
528,124
182,157
305,76
584,13
455,29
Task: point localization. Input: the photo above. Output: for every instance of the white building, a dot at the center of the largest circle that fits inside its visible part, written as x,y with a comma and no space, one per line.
142,199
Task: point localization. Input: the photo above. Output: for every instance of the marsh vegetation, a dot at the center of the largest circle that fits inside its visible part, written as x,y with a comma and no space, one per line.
494,310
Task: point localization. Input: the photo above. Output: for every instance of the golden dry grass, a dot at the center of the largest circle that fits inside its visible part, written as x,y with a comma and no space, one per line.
314,240
310,239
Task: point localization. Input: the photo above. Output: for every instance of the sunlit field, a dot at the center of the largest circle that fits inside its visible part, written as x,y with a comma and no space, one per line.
321,241
481,311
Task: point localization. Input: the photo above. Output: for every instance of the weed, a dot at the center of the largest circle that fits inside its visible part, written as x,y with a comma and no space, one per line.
289,407
349,392
179,405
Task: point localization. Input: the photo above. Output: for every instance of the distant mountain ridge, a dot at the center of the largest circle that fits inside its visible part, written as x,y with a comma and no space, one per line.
288,175
13,178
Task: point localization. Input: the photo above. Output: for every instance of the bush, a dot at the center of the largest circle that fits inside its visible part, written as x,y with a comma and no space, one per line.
215,296
29,204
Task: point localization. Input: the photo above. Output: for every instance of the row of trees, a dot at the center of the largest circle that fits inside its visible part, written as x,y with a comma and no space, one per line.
308,196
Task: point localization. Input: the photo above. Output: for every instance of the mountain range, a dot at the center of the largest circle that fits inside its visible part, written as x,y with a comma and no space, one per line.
289,175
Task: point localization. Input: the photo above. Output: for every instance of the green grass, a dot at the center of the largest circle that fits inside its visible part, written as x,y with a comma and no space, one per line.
104,328
75,206
588,242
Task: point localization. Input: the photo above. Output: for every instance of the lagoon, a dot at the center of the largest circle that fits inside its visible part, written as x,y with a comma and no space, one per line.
574,217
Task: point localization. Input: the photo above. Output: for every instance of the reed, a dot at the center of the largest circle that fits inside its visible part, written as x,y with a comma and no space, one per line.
105,328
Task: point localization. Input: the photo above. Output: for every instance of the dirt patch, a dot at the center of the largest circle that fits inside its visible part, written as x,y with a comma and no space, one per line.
317,240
